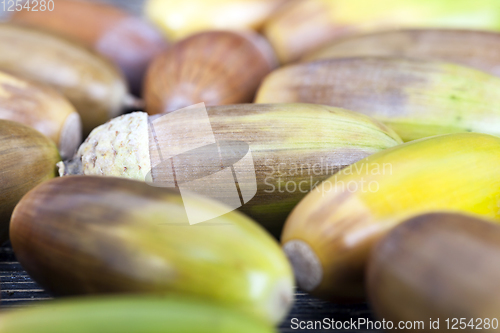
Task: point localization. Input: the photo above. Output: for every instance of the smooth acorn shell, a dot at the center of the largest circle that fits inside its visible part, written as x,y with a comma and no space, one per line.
131,314
216,67
293,148
27,158
303,26
43,109
330,233
471,48
416,98
129,41
438,266
87,235
179,19
90,82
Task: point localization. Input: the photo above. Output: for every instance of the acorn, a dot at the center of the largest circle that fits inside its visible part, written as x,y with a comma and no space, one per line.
90,82
441,269
330,233
471,48
215,67
128,41
27,159
130,314
303,26
293,147
179,19
417,98
43,109
86,235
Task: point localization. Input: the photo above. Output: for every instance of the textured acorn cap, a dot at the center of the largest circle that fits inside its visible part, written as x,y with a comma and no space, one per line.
293,147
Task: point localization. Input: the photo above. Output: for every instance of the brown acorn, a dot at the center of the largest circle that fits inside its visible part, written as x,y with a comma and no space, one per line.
43,109
216,67
293,148
417,98
27,158
90,82
93,235
472,48
129,41
440,266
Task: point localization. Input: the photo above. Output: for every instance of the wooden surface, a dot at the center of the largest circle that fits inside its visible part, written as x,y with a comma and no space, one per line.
19,290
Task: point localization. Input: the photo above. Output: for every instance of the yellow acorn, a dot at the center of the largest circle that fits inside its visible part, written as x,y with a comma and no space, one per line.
179,19
302,26
330,234
86,235
417,98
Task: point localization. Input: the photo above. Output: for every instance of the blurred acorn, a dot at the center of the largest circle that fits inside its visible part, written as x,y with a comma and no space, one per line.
216,67
330,233
179,19
438,266
472,48
129,314
129,41
91,83
303,26
293,147
87,235
43,109
26,159
417,98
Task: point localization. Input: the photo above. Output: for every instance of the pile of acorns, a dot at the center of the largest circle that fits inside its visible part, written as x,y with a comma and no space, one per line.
338,86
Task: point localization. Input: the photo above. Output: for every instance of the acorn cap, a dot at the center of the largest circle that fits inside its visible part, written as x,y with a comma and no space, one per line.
291,147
